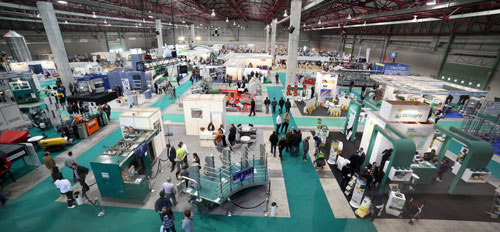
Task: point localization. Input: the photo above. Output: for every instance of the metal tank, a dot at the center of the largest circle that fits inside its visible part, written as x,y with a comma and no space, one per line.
17,46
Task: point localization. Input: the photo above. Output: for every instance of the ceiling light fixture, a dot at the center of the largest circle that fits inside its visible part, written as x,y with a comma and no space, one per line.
105,21
364,24
62,2
414,18
234,23
143,20
319,22
431,2
183,21
227,20
38,15
213,13
93,15
285,14
349,16
66,21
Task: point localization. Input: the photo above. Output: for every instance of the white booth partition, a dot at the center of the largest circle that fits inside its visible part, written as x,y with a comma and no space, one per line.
201,109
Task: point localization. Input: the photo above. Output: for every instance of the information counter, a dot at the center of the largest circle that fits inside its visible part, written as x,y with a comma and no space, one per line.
425,171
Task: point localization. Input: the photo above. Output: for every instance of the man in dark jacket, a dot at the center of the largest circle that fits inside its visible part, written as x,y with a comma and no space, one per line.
277,78
171,152
355,163
274,103
289,136
79,174
345,176
273,139
288,105
252,107
295,144
267,102
305,147
281,104
162,203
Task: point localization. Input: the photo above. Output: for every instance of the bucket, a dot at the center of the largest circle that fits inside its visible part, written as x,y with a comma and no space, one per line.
274,205
78,198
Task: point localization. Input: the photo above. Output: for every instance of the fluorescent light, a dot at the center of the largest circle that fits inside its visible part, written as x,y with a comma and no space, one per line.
431,2
62,2
181,38
150,16
197,38
213,13
285,14
183,21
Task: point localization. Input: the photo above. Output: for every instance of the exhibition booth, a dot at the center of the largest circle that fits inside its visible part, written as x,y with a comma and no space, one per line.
201,110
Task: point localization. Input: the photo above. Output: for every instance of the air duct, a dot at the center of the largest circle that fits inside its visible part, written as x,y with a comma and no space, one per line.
17,46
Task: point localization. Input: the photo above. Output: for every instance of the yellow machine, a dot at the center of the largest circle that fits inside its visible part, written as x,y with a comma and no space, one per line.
53,143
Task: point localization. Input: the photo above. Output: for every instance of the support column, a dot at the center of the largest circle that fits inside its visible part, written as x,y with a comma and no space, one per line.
384,48
293,42
159,37
445,55
267,40
123,41
56,42
274,23
193,38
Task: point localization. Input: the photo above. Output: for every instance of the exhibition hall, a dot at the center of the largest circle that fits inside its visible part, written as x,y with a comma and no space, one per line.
245,115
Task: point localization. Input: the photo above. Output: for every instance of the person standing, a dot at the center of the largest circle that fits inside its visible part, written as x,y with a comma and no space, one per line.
273,139
305,147
281,146
232,135
218,140
187,222
107,109
64,187
178,80
273,104
442,169
277,78
312,91
288,105
156,88
267,102
68,162
49,163
346,170
169,190
79,174
173,92
252,107
278,123
350,86
286,122
180,155
187,153
162,204
289,135
3,200
99,109
281,104
171,156
295,144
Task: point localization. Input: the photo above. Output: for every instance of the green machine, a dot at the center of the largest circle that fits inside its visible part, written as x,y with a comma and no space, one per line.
122,171
24,89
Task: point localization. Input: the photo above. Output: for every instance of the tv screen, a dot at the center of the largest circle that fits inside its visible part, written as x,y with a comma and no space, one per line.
183,69
174,54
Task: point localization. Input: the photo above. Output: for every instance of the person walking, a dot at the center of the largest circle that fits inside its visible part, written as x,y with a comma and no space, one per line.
295,144
267,102
281,103
350,86
169,190
68,162
282,146
64,187
79,174
442,169
274,103
273,139
107,109
184,146
305,148
312,91
288,105
218,140
286,122
171,152
180,155
289,135
168,221
278,123
277,78
187,222
252,107
49,163
162,204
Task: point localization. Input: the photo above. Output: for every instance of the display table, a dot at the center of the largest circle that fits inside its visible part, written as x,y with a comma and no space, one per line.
207,138
395,203
425,171
245,139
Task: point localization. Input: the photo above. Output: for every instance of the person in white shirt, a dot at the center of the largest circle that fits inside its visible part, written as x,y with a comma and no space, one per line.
278,123
65,188
169,190
187,153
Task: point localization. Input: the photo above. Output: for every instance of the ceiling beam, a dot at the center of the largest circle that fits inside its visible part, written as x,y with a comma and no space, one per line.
238,9
271,14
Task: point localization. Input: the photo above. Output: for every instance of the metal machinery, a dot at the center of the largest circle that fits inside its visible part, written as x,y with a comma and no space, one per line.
122,171
217,183
23,87
360,77
93,83
17,45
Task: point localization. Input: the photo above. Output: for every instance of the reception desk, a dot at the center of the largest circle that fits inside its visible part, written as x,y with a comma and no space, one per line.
425,171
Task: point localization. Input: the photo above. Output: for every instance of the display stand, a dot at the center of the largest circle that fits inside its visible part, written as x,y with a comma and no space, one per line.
335,151
395,203
201,109
359,191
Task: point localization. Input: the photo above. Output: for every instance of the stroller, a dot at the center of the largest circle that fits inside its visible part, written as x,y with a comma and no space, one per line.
412,210
320,161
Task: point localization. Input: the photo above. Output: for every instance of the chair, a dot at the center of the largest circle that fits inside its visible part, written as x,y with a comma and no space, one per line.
9,165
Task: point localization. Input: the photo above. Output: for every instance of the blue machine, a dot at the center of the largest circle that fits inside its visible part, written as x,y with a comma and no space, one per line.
96,82
393,68
130,80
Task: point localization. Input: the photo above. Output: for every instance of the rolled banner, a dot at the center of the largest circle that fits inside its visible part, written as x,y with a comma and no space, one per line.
359,191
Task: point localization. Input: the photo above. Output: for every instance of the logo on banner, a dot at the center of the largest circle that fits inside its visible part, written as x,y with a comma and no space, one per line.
407,115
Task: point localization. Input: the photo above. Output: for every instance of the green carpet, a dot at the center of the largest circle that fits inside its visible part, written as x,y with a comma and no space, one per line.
309,208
